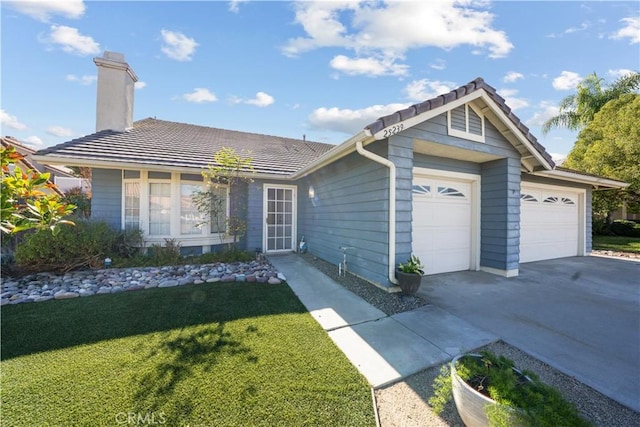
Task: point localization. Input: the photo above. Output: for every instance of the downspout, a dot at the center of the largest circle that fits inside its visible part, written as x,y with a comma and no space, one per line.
392,205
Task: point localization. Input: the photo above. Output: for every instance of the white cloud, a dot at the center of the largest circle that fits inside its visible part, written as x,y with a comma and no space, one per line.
630,30
11,121
373,27
347,120
59,131
178,46
200,95
512,76
33,140
585,25
84,80
421,90
621,72
558,158
567,80
42,10
72,41
139,85
546,110
438,64
262,99
368,66
234,5
512,101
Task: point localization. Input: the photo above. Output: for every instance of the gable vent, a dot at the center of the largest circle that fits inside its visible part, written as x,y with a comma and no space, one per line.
465,122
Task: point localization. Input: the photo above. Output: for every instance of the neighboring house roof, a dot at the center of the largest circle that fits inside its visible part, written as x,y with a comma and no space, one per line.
154,142
28,163
441,100
28,152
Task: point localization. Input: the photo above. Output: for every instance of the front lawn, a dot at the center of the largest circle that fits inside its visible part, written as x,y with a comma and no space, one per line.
200,355
616,243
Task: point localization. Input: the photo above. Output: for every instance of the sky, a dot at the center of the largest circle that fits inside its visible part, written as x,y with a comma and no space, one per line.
323,69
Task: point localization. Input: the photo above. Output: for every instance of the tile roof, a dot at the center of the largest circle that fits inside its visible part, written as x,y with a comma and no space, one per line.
443,99
155,142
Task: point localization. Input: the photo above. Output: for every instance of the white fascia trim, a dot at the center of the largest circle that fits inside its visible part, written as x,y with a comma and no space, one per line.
514,129
415,120
332,155
106,164
481,93
500,272
583,179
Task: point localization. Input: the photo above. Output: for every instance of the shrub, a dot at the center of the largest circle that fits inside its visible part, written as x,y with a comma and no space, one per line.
521,396
84,245
80,199
169,254
625,228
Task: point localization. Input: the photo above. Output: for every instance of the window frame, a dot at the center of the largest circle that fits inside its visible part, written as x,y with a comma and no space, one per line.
175,181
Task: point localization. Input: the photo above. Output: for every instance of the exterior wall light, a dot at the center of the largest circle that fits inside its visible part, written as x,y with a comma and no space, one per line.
312,192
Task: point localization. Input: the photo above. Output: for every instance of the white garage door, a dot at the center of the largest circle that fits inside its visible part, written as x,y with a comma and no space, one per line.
549,224
442,222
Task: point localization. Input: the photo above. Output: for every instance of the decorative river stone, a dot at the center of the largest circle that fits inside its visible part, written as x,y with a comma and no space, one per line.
85,283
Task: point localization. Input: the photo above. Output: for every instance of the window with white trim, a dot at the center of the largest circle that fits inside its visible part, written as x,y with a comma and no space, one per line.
190,218
220,214
159,208
161,204
466,122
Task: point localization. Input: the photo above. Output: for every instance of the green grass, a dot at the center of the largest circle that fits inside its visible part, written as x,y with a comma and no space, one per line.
616,243
202,355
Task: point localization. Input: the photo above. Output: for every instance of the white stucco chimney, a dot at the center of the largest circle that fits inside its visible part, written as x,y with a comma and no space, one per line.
114,105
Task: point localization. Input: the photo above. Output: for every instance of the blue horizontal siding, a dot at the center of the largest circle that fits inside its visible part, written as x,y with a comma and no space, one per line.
106,196
350,209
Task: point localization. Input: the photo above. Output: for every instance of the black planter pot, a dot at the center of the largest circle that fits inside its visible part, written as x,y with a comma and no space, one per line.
409,282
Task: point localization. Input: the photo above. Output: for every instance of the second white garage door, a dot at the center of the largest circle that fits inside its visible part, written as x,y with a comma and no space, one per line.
442,224
549,223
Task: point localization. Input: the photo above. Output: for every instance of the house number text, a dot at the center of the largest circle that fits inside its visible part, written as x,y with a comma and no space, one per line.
392,130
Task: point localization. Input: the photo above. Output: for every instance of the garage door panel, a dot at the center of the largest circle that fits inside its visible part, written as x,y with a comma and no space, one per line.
549,224
442,224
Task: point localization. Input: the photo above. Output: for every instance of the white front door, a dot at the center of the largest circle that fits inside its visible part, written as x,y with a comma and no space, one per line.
280,218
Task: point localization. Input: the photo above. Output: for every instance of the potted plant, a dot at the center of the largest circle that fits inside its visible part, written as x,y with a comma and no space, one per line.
489,391
409,275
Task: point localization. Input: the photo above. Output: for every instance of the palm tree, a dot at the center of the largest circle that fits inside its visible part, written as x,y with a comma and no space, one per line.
577,110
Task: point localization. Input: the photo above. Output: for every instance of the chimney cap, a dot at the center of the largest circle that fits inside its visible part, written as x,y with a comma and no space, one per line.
115,60
113,56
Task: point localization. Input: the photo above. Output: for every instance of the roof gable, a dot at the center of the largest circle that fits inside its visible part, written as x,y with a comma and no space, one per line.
534,155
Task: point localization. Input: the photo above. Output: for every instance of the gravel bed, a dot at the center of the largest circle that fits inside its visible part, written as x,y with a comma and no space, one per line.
404,403
628,255
388,303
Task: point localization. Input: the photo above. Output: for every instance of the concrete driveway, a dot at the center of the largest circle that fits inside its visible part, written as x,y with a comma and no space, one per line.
580,315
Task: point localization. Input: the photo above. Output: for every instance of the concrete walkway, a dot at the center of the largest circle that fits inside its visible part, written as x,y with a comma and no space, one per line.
383,348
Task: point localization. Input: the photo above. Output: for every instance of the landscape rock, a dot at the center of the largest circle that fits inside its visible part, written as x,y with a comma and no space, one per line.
47,286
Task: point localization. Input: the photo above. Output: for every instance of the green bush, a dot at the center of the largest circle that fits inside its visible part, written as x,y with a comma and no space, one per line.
521,396
84,245
625,228
81,200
